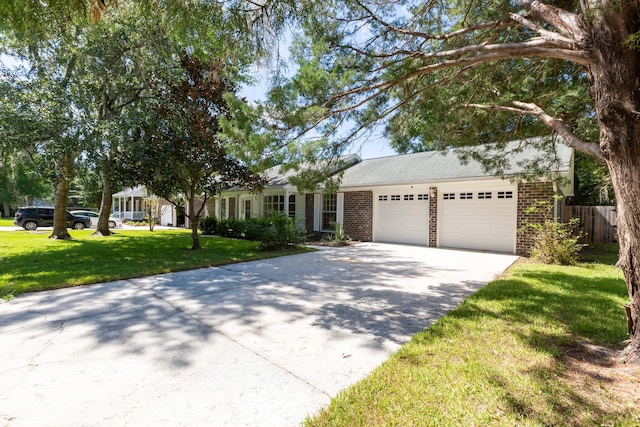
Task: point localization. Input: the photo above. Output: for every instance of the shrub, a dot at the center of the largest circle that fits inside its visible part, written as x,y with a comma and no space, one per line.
278,232
338,238
233,228
554,242
253,228
208,224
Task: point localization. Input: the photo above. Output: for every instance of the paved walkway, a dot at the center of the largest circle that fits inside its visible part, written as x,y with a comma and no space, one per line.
263,343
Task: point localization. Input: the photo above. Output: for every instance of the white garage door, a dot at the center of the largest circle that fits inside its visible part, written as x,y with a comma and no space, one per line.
402,218
482,219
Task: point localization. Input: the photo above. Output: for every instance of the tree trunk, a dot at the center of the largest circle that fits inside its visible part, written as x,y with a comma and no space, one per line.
6,209
626,183
152,223
62,199
152,202
194,221
105,207
615,90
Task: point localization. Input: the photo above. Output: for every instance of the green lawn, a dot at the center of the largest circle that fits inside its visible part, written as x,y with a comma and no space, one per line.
502,358
30,261
6,222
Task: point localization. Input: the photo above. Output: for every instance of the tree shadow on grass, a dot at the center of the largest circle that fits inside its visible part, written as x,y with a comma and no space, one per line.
94,260
589,308
552,313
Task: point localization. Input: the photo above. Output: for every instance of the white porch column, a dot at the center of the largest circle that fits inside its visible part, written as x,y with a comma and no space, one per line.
286,201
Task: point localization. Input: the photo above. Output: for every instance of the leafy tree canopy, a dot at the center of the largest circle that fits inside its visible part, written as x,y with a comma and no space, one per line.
177,148
422,69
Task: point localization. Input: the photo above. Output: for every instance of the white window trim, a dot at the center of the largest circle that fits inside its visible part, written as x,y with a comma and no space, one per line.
340,209
243,201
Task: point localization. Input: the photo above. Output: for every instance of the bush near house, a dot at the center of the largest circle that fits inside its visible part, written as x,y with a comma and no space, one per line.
208,225
276,232
554,242
279,232
232,228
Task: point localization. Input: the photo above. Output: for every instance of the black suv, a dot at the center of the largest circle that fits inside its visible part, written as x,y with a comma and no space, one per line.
32,217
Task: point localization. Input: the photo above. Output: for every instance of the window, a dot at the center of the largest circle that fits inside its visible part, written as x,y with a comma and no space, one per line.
382,198
423,197
484,195
329,211
223,208
505,194
408,197
395,197
466,196
273,203
292,205
449,196
247,209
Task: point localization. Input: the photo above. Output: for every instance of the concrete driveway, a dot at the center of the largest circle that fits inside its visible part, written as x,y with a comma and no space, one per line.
263,343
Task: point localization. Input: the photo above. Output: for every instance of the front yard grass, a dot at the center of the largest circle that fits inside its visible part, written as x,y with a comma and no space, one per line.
6,222
536,347
30,261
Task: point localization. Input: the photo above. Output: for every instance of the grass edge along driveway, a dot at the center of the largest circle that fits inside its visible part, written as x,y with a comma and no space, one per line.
30,261
535,347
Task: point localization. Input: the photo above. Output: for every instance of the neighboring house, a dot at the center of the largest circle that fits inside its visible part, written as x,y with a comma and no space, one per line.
428,198
132,204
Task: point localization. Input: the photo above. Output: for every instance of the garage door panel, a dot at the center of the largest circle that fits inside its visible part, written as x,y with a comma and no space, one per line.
506,227
402,221
478,221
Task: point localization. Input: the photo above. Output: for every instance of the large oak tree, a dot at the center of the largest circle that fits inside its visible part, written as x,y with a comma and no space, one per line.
178,149
41,119
104,55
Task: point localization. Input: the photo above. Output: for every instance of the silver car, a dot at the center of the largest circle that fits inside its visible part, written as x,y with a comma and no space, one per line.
93,216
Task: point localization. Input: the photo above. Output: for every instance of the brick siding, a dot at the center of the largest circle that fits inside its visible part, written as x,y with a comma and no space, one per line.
358,215
528,194
433,217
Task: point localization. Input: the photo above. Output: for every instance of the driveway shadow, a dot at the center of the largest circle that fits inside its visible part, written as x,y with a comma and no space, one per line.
81,319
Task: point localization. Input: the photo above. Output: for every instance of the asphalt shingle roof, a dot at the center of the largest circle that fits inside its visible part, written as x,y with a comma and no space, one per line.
446,165
276,178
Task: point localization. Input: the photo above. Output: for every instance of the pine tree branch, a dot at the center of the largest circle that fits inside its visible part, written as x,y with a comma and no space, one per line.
556,38
531,109
489,53
566,23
